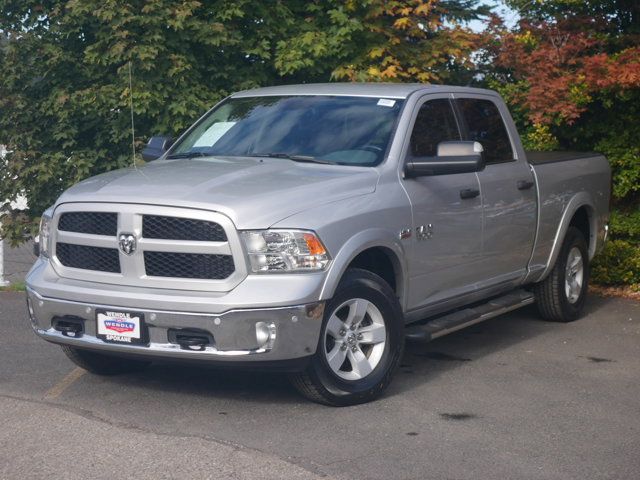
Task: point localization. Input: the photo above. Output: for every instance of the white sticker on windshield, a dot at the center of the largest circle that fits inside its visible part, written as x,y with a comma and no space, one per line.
213,134
386,102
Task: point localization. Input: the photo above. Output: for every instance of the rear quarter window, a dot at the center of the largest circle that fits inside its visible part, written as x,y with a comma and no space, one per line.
485,125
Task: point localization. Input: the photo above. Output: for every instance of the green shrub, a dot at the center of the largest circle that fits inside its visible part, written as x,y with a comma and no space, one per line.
626,223
618,264
623,151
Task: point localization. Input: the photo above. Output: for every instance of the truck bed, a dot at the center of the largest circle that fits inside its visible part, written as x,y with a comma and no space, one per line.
539,158
565,179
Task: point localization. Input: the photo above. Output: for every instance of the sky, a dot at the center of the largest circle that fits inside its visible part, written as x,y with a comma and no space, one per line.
510,16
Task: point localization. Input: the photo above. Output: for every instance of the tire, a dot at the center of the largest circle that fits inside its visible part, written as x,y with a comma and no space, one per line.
561,296
100,364
355,365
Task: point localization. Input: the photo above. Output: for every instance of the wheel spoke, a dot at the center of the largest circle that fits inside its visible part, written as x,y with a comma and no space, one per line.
336,357
359,363
334,326
576,263
373,334
576,266
572,291
576,286
357,311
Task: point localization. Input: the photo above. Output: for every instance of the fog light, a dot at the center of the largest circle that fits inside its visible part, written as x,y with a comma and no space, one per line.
265,335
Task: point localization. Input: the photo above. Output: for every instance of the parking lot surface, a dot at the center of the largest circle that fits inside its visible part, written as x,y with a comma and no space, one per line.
513,398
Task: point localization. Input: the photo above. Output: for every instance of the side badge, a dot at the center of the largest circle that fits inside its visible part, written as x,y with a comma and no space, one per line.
424,232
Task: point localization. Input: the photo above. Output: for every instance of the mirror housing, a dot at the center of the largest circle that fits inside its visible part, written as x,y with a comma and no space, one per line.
156,147
453,157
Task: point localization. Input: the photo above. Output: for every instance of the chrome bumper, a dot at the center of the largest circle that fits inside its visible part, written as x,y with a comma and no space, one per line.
294,330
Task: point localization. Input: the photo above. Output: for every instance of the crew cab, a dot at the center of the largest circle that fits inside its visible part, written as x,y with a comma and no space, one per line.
314,228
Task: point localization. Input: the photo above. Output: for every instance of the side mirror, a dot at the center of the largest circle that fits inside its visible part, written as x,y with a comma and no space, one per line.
452,157
156,147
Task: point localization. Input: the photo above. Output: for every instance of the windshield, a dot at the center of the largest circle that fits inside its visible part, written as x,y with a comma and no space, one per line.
342,130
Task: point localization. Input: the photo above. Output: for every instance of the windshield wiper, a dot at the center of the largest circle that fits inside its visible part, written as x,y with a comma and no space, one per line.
295,158
188,155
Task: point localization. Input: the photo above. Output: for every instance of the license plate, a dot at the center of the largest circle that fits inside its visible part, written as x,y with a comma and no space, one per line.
120,327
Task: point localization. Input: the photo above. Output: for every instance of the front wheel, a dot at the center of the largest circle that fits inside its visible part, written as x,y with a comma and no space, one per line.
360,345
561,296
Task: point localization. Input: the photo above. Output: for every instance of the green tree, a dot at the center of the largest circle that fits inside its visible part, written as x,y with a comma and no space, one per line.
64,86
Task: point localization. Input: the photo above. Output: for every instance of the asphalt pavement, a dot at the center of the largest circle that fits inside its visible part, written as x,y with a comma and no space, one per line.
513,398
16,261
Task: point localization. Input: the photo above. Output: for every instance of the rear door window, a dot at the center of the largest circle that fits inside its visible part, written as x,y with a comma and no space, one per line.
485,125
435,123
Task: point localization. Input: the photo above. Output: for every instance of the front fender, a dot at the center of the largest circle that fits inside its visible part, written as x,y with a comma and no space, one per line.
361,241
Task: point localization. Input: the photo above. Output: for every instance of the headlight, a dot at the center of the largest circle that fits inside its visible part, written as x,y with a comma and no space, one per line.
44,234
284,251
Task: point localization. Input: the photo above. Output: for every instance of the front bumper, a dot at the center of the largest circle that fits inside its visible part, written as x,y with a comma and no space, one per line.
295,330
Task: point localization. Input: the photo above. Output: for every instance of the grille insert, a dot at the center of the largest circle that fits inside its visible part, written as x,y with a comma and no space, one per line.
188,265
88,258
96,223
176,228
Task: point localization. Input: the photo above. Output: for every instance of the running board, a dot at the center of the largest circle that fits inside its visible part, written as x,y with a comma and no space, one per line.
469,316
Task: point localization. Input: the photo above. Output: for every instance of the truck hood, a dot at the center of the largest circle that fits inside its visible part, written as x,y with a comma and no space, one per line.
253,192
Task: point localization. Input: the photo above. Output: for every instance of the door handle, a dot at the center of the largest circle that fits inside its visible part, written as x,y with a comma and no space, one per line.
469,193
525,184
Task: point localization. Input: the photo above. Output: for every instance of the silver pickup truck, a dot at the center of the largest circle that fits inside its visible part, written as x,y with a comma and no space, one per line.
311,229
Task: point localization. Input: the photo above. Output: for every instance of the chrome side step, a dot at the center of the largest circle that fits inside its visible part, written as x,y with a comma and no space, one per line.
460,319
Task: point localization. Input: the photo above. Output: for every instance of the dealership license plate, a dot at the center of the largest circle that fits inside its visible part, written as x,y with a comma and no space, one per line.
120,327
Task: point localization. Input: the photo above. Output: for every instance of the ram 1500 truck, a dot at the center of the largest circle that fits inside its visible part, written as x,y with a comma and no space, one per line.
313,228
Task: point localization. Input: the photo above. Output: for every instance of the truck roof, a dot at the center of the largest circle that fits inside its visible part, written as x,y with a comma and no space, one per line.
387,90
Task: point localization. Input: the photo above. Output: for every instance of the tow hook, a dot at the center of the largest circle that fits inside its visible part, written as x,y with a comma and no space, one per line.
69,326
191,339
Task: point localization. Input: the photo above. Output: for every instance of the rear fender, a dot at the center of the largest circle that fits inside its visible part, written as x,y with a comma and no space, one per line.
582,199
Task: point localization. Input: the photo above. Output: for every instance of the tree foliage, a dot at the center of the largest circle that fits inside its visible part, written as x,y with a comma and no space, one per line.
64,87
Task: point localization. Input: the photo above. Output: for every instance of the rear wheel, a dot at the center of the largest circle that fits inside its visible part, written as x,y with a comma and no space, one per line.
102,364
561,296
360,345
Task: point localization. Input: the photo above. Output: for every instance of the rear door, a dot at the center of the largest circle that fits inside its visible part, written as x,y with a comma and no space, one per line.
507,188
447,229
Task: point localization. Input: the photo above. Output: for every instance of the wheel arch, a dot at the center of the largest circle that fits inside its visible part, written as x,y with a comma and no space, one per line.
374,250
580,213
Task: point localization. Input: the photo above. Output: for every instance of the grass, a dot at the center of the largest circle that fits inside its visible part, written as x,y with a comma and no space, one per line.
14,287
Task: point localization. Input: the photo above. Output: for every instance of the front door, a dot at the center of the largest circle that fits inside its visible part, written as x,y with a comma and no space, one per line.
447,226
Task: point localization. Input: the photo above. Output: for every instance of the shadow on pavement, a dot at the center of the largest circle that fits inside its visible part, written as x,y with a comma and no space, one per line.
421,363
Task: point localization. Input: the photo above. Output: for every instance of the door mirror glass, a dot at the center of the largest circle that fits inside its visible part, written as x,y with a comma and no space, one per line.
452,157
156,147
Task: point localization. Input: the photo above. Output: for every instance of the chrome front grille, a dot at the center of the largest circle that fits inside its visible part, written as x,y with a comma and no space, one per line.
175,248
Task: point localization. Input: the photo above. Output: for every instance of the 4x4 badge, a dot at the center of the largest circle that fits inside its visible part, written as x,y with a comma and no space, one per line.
127,243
